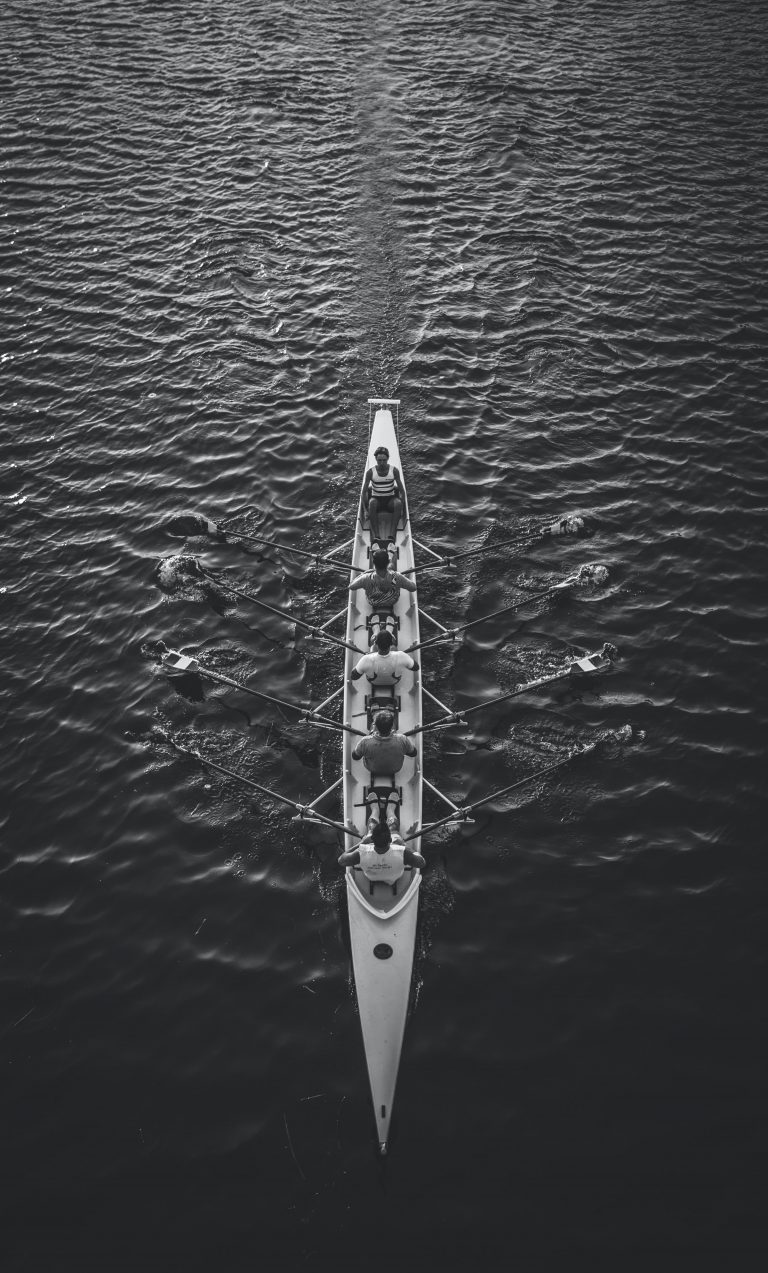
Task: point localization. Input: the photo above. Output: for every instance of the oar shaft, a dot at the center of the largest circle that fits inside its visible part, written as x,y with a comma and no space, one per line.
464,811
495,614
457,717
297,552
601,660
314,816
284,614
309,714
475,552
453,718
518,690
330,723
517,605
521,782
486,548
230,773
517,541
219,677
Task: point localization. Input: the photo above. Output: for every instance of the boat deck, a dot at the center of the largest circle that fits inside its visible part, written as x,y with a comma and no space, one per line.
382,918
406,694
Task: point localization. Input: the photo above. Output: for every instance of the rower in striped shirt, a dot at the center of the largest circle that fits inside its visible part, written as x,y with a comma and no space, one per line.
382,585
383,493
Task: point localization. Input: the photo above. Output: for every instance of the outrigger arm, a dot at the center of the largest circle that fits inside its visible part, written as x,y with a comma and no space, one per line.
450,718
445,799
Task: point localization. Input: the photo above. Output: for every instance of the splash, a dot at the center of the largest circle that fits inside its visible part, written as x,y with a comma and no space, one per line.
178,571
571,525
192,524
592,577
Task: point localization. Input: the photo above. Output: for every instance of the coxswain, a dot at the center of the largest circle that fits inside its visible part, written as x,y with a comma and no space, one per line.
383,751
384,666
382,584
382,854
383,492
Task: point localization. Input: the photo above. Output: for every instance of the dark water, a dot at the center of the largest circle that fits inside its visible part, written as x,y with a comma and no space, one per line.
543,226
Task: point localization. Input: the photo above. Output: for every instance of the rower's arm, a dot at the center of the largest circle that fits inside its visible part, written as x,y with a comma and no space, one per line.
357,583
350,858
404,581
400,489
412,858
358,670
367,488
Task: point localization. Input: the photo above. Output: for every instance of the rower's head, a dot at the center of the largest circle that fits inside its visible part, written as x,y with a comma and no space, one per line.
383,641
383,722
381,455
381,837
380,559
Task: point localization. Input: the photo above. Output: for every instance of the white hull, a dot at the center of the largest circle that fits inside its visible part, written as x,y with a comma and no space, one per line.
382,922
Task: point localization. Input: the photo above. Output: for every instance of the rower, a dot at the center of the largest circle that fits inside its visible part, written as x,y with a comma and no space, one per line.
383,751
383,493
382,584
384,666
382,854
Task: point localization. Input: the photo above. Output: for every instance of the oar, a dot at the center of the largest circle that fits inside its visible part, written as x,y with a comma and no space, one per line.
284,614
600,661
452,633
565,526
464,811
223,528
297,552
177,664
193,523
303,810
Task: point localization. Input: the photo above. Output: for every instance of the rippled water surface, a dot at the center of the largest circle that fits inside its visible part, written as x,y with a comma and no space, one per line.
542,225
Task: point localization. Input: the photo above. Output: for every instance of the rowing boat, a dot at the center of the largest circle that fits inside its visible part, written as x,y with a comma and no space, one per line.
382,917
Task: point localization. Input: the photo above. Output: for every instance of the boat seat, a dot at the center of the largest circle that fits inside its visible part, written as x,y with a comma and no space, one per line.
382,699
382,786
382,703
384,692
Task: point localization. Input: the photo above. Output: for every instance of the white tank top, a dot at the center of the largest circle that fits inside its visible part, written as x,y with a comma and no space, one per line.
387,866
384,669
